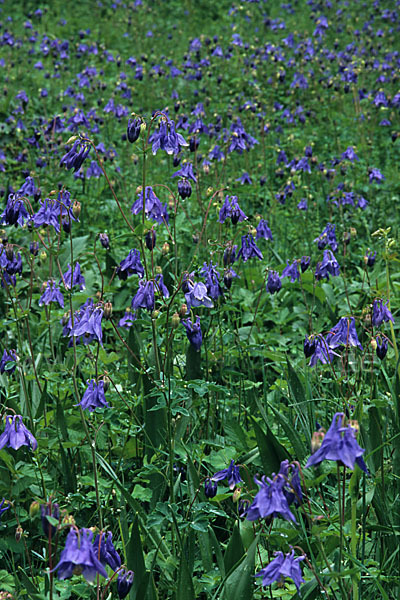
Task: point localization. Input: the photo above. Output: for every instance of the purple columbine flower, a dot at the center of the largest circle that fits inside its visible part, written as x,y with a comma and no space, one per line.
212,277
74,158
8,362
88,322
343,334
339,444
274,282
328,266
381,348
310,345
304,263
263,231
370,258
376,175
16,434
104,240
128,318
15,212
197,295
94,396
349,154
271,500
144,297
186,171
5,507
79,556
105,550
249,248
52,293
193,332
230,255
322,353
327,237
302,205
160,286
124,583
133,129
284,565
231,208
130,265
381,313
166,138
245,179
231,474
292,271
76,278
210,488
153,208
184,188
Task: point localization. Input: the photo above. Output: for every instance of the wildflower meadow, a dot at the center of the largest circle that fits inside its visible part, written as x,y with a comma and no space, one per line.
200,294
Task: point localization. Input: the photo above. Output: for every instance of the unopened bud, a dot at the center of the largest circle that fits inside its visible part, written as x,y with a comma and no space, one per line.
209,191
139,189
373,344
76,209
68,520
183,310
107,310
175,320
154,314
150,239
354,424
43,256
3,236
18,534
106,381
65,318
236,494
98,295
165,248
34,509
316,440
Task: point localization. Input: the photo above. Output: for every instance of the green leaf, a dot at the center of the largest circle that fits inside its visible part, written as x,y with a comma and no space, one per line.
193,363
185,589
235,550
272,452
135,562
239,585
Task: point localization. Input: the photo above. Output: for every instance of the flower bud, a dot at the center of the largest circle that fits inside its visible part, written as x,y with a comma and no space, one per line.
236,494
3,236
183,310
316,440
175,320
104,240
150,239
106,381
107,310
154,314
165,248
34,248
373,344
68,520
124,583
76,209
18,534
354,424
65,318
210,488
9,252
34,509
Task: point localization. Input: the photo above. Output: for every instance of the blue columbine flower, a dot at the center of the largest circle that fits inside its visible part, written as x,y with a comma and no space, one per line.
184,188
370,258
327,237
376,175
105,550
94,396
231,208
74,158
349,154
166,137
343,334
144,297
322,352
124,583
88,322
152,206
284,565
249,248
271,500
328,266
212,277
274,282
210,488
160,286
231,474
197,294
186,171
79,556
16,434
128,318
304,263
8,362
52,293
76,278
193,332
263,231
381,348
15,212
133,129
339,444
130,265
292,271
381,313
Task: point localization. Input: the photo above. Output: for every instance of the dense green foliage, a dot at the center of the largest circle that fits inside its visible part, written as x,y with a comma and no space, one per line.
292,109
